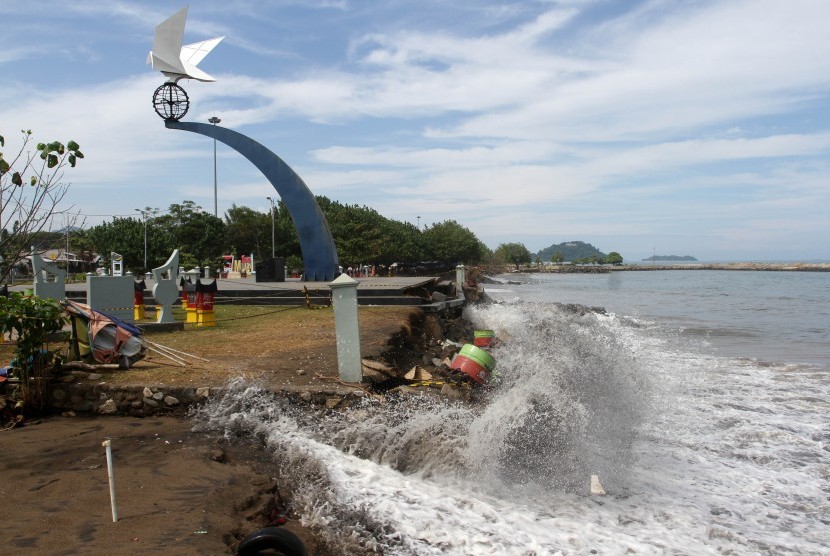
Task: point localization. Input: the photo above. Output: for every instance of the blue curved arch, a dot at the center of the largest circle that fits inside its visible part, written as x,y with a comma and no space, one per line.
316,242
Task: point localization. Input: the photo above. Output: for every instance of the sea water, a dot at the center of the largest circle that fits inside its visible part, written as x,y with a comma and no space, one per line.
699,398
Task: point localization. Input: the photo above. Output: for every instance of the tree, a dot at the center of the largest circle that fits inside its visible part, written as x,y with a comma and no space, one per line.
402,241
199,236
31,191
124,236
450,241
515,253
557,258
613,258
249,231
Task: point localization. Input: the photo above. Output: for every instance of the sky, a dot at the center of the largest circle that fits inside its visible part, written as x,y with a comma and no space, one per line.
684,127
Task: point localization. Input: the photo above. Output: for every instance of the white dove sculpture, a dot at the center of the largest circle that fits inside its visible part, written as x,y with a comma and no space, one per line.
174,60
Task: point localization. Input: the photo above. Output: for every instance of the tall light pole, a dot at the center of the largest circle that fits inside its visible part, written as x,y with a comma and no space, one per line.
273,242
419,223
214,120
144,216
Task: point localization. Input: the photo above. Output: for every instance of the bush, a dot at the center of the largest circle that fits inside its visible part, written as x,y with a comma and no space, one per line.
33,322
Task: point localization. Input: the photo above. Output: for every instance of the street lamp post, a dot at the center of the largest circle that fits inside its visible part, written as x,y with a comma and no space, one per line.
273,242
144,216
419,223
214,120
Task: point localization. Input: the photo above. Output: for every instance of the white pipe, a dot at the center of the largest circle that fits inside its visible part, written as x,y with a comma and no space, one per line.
177,351
108,445
170,356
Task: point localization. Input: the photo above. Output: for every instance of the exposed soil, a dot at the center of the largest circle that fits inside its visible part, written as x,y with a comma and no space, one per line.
181,492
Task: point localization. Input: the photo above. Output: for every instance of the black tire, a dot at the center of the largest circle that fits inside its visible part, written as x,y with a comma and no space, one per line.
280,540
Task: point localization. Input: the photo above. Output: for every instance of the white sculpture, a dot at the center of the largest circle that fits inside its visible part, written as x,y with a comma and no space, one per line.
166,289
50,279
174,60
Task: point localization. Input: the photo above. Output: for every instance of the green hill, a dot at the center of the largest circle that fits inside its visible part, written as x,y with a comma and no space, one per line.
571,251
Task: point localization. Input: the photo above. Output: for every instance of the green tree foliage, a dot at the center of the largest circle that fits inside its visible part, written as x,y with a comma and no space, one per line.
124,236
30,194
357,231
450,241
288,242
361,236
402,241
32,321
249,231
557,258
201,238
513,253
613,258
571,251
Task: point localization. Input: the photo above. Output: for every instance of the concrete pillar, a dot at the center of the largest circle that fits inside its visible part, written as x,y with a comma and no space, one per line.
460,279
344,298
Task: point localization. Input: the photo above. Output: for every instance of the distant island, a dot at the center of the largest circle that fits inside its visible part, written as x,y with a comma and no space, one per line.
570,251
670,258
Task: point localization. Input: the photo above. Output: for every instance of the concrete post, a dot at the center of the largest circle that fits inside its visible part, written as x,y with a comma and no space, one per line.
344,298
460,279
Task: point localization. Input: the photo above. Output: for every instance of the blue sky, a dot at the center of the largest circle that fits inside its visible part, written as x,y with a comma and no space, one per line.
676,127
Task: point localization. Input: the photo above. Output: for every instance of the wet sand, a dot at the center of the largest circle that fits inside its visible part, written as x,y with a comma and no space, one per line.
172,497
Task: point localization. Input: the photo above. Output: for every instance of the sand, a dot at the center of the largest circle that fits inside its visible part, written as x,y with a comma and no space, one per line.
172,496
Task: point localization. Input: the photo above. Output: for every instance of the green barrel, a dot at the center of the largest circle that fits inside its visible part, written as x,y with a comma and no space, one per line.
478,355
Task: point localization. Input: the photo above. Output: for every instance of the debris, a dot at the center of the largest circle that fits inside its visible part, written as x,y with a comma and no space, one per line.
596,486
475,362
418,373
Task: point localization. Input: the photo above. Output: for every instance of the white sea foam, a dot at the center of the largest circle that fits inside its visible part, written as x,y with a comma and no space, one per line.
699,454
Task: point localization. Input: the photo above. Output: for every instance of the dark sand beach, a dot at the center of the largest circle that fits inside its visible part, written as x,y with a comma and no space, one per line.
172,496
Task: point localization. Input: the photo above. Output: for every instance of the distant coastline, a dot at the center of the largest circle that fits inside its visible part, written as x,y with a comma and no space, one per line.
798,267
667,258
601,269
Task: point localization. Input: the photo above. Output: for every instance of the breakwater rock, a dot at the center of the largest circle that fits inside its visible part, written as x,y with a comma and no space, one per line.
789,267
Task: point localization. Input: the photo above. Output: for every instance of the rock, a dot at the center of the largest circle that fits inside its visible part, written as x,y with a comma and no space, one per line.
158,396
451,392
202,393
150,402
331,403
147,392
373,377
300,372
306,396
94,376
136,404
218,455
170,400
69,413
108,407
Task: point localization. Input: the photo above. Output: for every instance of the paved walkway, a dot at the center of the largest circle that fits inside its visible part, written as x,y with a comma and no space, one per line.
396,290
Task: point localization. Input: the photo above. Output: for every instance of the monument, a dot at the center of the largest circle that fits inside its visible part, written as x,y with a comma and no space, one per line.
171,103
